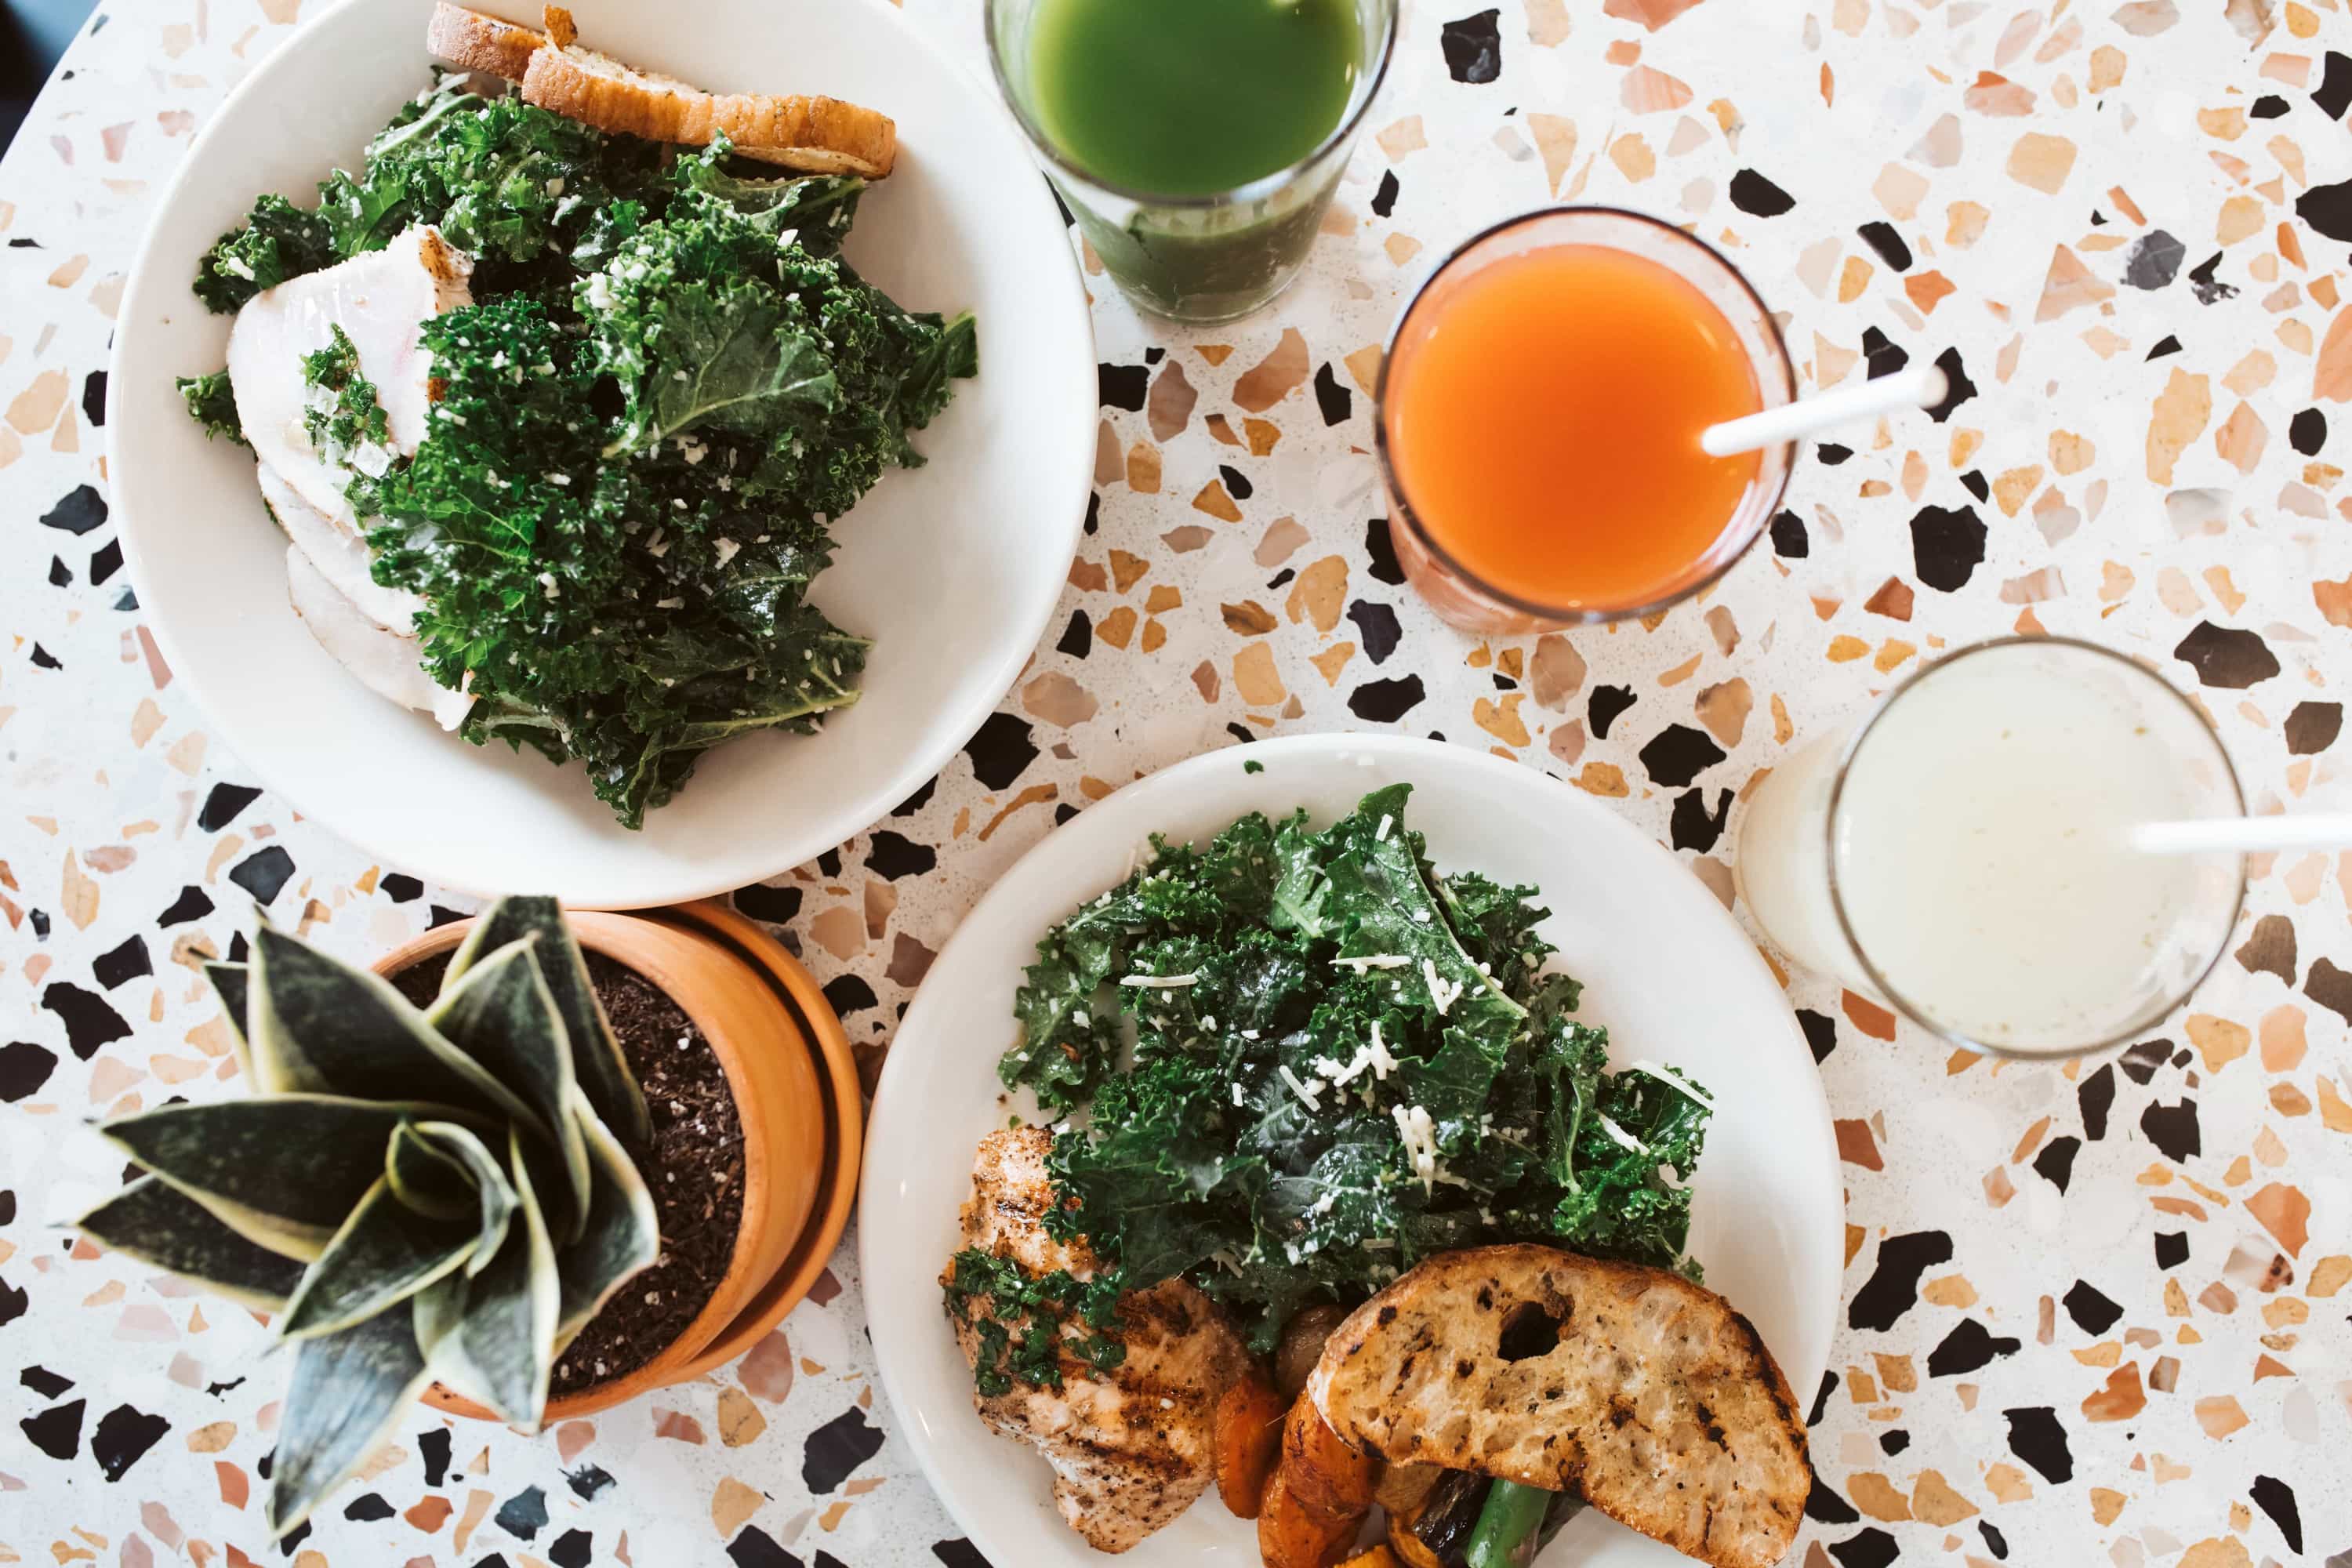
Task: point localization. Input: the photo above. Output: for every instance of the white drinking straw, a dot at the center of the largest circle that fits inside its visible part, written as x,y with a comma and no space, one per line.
2244,835
1920,386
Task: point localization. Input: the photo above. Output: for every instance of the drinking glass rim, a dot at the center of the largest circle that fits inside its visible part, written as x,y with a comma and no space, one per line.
1252,190
1402,504
1852,749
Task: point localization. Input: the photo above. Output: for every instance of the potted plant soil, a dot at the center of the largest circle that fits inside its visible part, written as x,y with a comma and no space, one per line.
529,1168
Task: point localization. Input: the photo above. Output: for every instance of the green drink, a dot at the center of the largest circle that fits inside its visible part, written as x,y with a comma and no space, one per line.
1197,142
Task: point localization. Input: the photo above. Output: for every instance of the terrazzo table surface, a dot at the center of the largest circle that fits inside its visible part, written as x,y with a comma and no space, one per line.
2093,1312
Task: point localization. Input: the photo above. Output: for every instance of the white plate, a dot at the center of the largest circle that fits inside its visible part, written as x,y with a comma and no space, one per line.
952,569
1672,975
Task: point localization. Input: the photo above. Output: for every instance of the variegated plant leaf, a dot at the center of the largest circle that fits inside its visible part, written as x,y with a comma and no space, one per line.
345,1396
604,1072
385,1253
622,1234
282,1171
499,1013
488,1192
156,1223
230,983
492,1337
427,1177
320,1027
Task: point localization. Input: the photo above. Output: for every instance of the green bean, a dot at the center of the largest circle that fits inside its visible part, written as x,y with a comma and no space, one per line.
1506,1536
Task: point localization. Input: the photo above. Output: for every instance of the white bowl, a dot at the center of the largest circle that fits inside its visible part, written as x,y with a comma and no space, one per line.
952,569
1666,968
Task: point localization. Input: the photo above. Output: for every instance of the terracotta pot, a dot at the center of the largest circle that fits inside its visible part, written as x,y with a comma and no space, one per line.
772,1076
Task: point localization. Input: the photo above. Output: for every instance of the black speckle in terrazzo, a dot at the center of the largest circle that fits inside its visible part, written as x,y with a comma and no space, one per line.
221,805
105,561
894,855
2330,987
127,960
44,1382
1788,540
2171,1248
755,1548
776,906
1947,545
93,397
1062,813
1881,356
2230,657
1872,1547
2335,90
2153,259
1892,1288
2326,208
1757,196
1123,385
2274,1496
1977,485
2313,727
56,1431
837,1449
847,995
1677,754
920,799
2173,1128
1078,637
1832,453
1279,578
40,918
1603,707
2205,283
89,1020
401,887
1337,403
14,1299
1995,1542
587,1481
2307,432
1384,198
1474,47
60,575
1241,733
1154,354
1823,1503
2167,344
2036,1436
432,1450
1895,1442
2140,1061
1376,628
572,1549
1822,1398
1386,701
958,1553
264,872
1237,484
367,1508
829,862
2096,1096
1382,551
44,659
2055,1162
217,1389
8,1216
1694,826
1001,751
1959,388
1969,1347
1094,514
1880,236
2093,1312
127,600
1821,1031
268,1461
81,509
523,1515
2269,949
2269,106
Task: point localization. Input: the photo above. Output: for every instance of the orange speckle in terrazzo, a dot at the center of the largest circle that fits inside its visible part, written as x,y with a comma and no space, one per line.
732,1504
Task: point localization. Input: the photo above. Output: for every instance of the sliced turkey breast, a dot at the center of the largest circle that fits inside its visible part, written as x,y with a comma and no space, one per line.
342,556
385,662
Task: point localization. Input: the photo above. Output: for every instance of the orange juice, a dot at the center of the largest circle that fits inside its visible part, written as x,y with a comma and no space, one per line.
1542,414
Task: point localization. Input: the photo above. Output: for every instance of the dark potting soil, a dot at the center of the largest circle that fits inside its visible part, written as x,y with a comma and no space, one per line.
694,1167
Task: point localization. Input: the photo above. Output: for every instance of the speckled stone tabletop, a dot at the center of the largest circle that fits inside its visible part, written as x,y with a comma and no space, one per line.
2094,1311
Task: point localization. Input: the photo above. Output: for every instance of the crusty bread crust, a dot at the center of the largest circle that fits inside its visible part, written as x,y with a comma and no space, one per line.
816,135
599,90
1643,1391
475,42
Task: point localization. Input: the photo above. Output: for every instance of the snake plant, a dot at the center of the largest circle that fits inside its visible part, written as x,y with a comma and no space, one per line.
442,1194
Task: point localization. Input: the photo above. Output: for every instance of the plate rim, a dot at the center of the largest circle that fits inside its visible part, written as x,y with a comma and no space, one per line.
988,913
681,880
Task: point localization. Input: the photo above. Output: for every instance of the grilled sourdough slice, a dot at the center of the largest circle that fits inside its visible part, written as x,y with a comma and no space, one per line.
812,135
485,45
599,90
1646,1393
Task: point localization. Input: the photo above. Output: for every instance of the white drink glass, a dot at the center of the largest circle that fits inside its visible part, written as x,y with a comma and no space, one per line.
1962,853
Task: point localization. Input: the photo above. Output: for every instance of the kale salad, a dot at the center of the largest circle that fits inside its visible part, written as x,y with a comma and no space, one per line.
666,388
1289,1064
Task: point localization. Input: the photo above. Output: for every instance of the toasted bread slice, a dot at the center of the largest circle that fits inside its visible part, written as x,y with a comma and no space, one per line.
1648,1394
472,41
599,90
813,135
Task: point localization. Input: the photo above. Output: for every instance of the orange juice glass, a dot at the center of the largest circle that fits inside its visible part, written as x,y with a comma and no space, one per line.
1539,415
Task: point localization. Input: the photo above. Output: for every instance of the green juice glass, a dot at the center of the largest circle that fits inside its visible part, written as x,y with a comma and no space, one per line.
1197,143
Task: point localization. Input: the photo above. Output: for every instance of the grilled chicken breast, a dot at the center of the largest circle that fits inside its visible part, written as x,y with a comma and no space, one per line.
341,555
1648,1394
1131,1448
385,662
